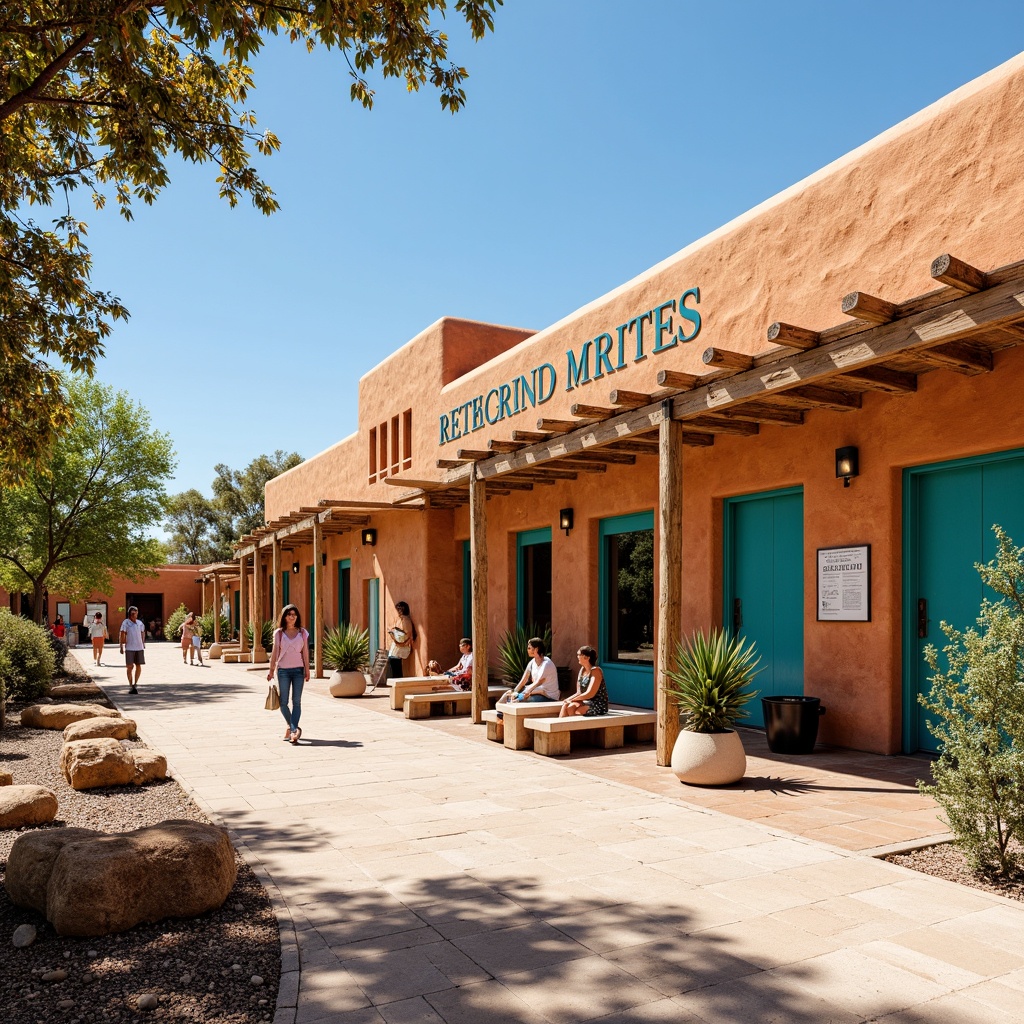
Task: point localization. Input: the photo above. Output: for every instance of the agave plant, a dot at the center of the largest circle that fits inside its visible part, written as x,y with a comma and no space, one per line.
512,653
266,634
710,677
347,647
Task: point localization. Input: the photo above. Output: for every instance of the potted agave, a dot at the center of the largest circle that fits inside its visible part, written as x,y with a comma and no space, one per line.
710,679
347,649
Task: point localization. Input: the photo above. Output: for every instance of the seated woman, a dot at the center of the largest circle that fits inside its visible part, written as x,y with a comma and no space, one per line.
460,676
540,680
591,696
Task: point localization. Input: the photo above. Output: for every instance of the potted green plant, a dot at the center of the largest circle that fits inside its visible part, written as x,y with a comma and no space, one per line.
512,653
347,650
710,679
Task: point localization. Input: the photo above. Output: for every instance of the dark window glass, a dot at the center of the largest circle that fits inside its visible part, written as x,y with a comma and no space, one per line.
631,600
536,569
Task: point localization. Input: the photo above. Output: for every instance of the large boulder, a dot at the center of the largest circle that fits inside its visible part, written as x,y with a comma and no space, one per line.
87,764
68,690
99,884
98,728
30,863
26,805
59,716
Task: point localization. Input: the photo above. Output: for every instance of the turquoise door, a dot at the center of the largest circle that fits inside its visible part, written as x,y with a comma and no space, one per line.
373,613
764,588
238,608
533,578
285,588
312,609
467,590
344,590
949,511
625,580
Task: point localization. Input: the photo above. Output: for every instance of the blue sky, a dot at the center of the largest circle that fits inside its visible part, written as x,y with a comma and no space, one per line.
599,138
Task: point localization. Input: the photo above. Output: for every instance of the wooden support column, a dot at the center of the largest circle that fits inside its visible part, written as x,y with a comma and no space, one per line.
243,602
478,560
216,608
202,592
259,654
318,599
670,578
275,569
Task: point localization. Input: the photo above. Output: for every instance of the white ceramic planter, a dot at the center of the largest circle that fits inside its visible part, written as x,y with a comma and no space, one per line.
348,684
708,758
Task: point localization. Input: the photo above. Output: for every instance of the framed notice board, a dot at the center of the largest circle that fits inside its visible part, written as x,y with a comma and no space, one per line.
844,584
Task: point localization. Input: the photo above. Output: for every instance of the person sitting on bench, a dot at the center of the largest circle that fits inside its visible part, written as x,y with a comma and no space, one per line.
460,676
591,696
540,680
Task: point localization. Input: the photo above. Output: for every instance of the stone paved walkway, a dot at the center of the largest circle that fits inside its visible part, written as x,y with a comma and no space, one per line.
429,877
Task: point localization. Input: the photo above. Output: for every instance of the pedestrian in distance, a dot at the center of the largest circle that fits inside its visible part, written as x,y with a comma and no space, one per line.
290,658
98,635
403,636
58,628
132,644
185,631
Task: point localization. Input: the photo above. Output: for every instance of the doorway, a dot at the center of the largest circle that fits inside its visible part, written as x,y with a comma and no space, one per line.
764,588
533,578
151,613
949,509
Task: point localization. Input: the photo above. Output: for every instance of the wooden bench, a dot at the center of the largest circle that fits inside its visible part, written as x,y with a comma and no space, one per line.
551,736
451,702
511,728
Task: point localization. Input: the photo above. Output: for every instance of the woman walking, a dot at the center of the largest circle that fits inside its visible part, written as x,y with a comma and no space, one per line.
98,634
187,630
403,636
290,657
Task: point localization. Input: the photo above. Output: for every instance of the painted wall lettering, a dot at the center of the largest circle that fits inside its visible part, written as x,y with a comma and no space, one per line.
499,403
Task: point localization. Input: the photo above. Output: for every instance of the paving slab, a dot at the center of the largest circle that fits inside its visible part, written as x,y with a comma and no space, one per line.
422,874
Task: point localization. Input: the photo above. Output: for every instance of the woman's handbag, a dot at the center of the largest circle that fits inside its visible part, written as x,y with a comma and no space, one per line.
273,698
400,648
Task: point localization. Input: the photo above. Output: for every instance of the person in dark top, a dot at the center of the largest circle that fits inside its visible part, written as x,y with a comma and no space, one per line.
591,696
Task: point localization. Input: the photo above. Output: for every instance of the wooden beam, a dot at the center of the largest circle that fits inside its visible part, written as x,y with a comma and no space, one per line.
960,357
512,484
869,307
723,425
881,378
472,454
677,379
531,436
591,412
629,399
949,270
216,608
727,360
815,396
579,465
757,412
793,337
670,581
608,455
275,569
505,446
382,506
259,654
318,600
547,470
694,439
561,426
243,603
478,571
450,463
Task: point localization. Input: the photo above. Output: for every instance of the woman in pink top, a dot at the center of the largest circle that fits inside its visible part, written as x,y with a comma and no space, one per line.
290,658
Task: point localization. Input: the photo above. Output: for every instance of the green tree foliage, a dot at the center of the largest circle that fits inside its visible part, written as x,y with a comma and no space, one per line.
193,525
172,626
238,494
85,516
977,715
96,96
26,659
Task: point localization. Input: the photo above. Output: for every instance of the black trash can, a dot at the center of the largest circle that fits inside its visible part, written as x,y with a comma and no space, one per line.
791,723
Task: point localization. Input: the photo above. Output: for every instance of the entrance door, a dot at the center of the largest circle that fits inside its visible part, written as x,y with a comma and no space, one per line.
533,578
949,511
373,613
625,580
151,612
764,588
344,590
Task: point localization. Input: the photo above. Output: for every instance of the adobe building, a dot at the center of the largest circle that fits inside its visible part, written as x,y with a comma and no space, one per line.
155,596
801,427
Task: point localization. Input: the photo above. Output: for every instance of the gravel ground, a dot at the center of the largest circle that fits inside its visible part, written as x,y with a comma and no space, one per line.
946,861
201,969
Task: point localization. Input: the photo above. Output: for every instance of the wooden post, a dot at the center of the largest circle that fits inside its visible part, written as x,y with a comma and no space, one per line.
216,608
670,569
243,610
275,569
478,560
202,593
318,599
259,654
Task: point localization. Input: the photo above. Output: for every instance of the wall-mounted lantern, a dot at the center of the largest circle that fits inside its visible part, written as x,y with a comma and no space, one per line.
295,567
847,464
565,518
369,537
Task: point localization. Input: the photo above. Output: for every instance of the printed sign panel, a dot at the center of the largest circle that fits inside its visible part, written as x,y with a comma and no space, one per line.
844,584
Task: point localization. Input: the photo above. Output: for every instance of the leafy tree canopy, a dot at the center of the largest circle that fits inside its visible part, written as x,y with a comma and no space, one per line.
192,523
85,516
96,94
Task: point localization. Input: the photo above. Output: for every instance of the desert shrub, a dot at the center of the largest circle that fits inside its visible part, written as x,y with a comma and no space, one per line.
266,634
977,715
173,623
347,648
60,651
206,621
27,657
512,652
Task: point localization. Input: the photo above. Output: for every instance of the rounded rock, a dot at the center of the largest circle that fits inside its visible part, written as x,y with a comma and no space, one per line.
147,1001
256,980
24,935
66,1004
59,975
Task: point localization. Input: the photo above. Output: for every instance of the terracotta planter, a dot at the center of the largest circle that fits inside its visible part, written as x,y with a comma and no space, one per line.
214,651
348,684
708,758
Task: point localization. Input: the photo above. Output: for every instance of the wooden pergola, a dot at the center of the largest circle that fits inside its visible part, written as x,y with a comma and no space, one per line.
883,347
